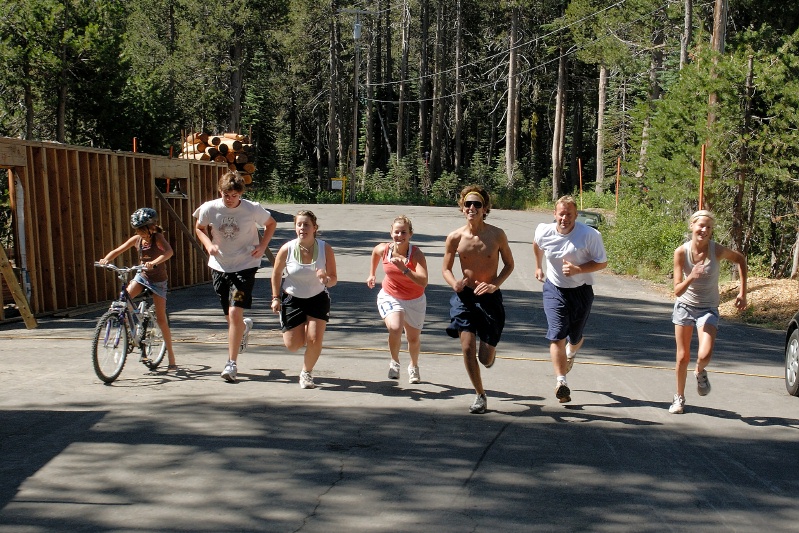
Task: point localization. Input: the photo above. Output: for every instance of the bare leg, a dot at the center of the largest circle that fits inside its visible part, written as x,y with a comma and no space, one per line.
557,352
235,332
469,347
315,332
707,339
163,323
394,322
682,335
414,337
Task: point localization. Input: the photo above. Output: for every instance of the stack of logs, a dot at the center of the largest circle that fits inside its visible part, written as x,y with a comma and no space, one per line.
232,149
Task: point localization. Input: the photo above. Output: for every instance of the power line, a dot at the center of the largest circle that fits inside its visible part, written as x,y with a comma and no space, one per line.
570,52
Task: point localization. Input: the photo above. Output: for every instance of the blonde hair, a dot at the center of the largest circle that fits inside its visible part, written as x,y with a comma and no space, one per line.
404,220
703,213
567,199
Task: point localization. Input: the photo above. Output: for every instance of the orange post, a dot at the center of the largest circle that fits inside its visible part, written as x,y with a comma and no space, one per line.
702,180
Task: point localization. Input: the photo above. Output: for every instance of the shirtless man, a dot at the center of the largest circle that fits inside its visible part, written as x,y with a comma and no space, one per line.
476,307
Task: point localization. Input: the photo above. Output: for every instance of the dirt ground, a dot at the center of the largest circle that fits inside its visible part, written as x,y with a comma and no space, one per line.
772,302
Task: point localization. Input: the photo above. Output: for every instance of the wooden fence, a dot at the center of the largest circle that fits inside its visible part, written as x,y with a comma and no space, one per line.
71,205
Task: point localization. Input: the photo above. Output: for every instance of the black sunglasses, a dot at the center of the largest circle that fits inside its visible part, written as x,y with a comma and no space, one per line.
472,203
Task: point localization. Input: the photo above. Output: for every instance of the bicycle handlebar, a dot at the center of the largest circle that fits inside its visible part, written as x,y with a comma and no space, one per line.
121,270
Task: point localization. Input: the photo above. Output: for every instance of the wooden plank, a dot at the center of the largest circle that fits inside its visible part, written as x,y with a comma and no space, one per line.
17,291
93,287
31,259
44,231
65,230
79,230
105,200
12,154
181,226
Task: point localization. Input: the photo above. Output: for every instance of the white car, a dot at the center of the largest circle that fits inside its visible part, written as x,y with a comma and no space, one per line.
792,356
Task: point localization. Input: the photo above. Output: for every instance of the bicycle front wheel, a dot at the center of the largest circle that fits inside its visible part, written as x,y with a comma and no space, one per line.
109,347
155,347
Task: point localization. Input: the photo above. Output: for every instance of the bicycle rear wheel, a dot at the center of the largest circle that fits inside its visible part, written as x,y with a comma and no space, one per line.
109,347
154,340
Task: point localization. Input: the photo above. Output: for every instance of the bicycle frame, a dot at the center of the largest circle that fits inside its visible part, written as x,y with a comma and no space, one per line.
128,313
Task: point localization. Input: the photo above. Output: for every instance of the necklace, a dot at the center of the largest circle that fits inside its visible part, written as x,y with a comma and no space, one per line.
304,249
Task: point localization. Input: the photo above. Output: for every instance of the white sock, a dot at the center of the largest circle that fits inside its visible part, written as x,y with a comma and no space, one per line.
562,378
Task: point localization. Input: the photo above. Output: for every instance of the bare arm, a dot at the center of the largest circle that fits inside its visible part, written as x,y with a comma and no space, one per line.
202,235
418,276
539,262
269,231
450,250
722,252
166,251
110,256
507,260
277,276
328,276
377,253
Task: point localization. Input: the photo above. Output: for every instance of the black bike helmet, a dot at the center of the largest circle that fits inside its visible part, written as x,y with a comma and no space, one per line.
143,217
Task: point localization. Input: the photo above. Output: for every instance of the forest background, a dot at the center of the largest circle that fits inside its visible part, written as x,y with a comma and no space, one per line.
614,101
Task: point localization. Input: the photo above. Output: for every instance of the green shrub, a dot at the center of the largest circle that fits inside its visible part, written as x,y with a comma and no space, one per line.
641,241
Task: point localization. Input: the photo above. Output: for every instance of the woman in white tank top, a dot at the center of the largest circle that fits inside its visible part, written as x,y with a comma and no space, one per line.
304,269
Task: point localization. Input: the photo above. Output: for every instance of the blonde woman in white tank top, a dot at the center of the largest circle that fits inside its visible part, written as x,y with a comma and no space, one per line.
696,274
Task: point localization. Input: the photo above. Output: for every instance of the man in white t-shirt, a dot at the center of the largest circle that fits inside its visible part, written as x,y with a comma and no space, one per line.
573,252
228,229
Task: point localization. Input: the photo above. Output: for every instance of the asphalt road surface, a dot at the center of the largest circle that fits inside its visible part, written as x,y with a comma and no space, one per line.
362,453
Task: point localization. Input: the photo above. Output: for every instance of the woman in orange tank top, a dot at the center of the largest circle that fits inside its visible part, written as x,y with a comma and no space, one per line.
401,301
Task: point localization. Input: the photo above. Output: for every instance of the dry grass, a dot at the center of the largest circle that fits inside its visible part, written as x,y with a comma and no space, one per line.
772,302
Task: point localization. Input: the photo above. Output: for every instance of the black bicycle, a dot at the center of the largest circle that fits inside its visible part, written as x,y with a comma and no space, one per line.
125,327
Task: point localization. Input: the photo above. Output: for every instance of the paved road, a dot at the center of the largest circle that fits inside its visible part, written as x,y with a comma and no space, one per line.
191,452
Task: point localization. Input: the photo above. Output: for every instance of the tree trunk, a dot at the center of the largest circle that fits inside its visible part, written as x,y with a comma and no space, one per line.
577,141
743,165
512,124
236,85
424,93
388,79
406,20
599,186
559,134
369,112
333,140
687,34
458,102
717,45
437,104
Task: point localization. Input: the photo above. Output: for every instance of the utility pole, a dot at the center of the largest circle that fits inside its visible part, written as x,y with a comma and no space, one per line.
356,36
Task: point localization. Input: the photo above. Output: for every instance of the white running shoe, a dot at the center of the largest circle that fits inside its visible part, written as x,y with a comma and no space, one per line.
306,380
677,405
393,370
230,371
702,383
413,374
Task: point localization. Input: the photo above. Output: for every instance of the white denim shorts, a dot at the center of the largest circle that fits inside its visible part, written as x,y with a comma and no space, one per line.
414,310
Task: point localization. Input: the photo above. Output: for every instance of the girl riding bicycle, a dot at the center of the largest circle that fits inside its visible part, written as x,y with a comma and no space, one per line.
154,251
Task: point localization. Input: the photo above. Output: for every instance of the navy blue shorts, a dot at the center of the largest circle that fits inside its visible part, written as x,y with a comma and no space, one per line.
567,311
483,315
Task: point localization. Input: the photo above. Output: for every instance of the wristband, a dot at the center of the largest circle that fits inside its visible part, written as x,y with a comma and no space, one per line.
406,270
275,298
